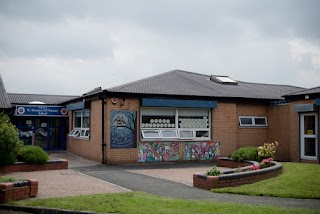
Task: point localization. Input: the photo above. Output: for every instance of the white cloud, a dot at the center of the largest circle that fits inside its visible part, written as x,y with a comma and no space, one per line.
306,56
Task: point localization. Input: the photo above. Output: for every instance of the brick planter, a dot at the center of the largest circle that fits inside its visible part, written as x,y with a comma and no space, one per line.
25,167
18,190
231,178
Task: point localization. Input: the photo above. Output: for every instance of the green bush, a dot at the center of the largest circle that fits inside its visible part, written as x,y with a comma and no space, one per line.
246,153
6,158
7,179
9,141
213,172
33,154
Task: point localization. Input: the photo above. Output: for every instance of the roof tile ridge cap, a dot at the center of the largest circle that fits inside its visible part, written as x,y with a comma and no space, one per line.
305,89
194,73
271,84
5,94
44,94
125,85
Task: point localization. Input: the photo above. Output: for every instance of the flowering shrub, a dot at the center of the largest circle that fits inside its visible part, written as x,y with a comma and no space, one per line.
266,163
268,149
255,167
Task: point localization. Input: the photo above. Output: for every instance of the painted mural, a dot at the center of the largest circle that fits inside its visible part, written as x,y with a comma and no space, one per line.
123,129
201,150
158,151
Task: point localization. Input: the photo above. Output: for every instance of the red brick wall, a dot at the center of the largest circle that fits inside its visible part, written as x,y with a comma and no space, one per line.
8,192
91,148
248,136
25,167
118,156
224,124
279,130
226,127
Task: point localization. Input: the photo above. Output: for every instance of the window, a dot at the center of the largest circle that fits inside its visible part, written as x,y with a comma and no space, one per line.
150,134
183,123
186,134
81,124
250,121
75,133
169,133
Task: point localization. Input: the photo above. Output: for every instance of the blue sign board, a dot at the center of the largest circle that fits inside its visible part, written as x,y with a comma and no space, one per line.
318,102
153,102
30,110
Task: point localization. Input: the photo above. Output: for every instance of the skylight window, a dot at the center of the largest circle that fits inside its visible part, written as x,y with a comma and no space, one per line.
223,79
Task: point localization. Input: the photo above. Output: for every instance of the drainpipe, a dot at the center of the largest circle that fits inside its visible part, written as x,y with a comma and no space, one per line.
103,144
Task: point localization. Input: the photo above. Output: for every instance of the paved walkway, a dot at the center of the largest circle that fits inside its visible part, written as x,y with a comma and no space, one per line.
169,180
68,182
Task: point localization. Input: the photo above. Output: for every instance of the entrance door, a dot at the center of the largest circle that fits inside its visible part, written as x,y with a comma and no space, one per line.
309,136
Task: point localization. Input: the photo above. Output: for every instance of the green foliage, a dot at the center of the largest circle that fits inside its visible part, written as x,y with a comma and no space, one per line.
246,153
6,158
213,172
7,179
139,202
9,141
303,177
33,154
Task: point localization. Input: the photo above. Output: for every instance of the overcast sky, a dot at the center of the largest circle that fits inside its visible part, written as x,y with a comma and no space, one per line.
72,46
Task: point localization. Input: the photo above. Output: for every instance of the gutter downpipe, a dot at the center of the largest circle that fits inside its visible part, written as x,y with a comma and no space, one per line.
103,144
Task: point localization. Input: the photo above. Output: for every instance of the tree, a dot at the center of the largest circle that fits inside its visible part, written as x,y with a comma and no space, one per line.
10,143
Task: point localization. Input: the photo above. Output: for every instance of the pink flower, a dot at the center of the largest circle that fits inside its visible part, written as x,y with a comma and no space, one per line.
255,167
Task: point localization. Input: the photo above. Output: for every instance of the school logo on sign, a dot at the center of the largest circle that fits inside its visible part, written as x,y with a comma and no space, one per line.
41,111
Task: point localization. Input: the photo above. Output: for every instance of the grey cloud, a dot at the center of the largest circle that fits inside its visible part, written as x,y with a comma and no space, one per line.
75,39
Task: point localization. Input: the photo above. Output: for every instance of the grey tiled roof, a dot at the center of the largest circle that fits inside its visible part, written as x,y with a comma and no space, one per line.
47,99
178,82
4,99
315,90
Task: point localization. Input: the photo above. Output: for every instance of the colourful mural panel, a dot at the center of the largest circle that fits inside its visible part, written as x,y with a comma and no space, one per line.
123,129
201,150
158,151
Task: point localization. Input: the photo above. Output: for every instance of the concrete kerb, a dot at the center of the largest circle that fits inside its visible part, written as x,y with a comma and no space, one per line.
42,210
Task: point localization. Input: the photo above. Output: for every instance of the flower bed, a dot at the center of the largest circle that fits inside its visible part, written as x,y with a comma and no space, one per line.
237,176
18,190
25,167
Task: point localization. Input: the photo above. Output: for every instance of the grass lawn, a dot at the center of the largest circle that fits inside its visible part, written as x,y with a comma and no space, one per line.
138,202
298,180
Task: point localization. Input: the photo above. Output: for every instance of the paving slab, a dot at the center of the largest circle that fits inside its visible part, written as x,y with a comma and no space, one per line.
67,182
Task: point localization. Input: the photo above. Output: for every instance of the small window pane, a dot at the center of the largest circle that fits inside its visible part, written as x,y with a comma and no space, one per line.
186,134
150,134
260,121
74,133
202,133
246,121
309,125
310,147
169,134
86,119
85,133
77,120
86,122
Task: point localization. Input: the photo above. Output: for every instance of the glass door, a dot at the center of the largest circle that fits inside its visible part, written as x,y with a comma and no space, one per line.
309,136
42,132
